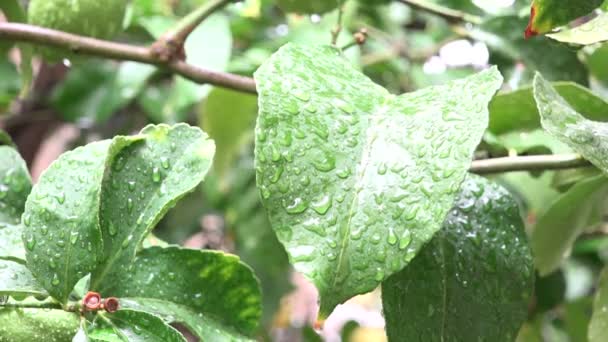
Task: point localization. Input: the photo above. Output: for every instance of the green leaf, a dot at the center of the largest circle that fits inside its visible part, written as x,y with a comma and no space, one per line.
94,91
356,180
228,117
15,185
599,319
12,11
12,245
591,32
473,281
597,62
143,182
35,324
586,137
308,6
210,283
16,279
62,232
5,139
558,227
133,326
516,110
549,14
204,327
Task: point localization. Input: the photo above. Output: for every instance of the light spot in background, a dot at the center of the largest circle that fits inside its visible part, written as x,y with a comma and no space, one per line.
67,63
315,18
281,30
458,54
493,5
434,65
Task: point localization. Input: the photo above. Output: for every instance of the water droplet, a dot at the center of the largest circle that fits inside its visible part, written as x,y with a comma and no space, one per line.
392,238
315,227
73,237
379,275
27,220
302,95
405,240
325,164
156,175
343,173
52,263
55,280
278,171
164,162
30,243
44,230
322,205
112,229
382,169
131,185
171,275
297,206
343,106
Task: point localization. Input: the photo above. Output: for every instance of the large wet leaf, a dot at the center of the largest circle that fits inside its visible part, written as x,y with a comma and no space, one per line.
567,217
16,279
133,326
356,180
37,325
15,185
473,281
591,32
588,138
12,245
549,14
143,182
62,233
599,319
209,283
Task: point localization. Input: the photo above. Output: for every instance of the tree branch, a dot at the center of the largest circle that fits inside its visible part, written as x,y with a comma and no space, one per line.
102,48
335,33
170,45
528,163
451,15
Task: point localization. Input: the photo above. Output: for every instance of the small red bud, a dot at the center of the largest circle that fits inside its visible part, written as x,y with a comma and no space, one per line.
91,301
111,304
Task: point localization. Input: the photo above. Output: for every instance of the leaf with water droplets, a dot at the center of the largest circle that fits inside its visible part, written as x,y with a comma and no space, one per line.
61,217
363,163
210,283
473,281
167,164
16,279
588,138
37,325
133,326
11,246
565,219
203,326
15,185
591,32
599,320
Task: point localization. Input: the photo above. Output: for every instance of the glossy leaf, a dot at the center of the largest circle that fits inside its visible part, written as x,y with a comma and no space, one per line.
588,138
209,283
356,180
549,14
228,117
204,327
516,110
473,281
16,279
15,185
142,183
591,32
599,319
37,324
133,326
566,218
12,244
62,232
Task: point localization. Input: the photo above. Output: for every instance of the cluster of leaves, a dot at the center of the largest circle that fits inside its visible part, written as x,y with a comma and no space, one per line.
360,188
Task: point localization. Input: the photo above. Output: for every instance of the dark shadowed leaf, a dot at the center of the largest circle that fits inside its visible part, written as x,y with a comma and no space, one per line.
473,281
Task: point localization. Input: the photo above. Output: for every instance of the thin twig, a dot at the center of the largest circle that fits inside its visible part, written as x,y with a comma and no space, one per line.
335,33
170,45
528,163
451,15
102,48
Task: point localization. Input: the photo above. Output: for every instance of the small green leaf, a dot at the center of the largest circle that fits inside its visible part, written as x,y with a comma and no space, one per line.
210,283
597,62
133,326
62,233
517,111
599,319
588,138
356,180
142,183
473,281
204,327
308,6
558,227
12,244
5,139
591,32
37,325
16,279
228,116
549,14
15,185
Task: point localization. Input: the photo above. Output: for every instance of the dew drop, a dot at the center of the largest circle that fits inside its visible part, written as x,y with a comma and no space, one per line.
322,205
405,240
164,162
73,237
156,175
131,185
55,280
392,238
297,206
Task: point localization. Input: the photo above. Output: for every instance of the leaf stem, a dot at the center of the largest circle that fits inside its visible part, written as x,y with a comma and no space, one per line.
71,307
118,51
335,33
169,45
528,163
451,15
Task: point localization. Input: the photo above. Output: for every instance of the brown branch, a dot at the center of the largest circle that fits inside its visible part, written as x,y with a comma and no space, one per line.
170,46
102,48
